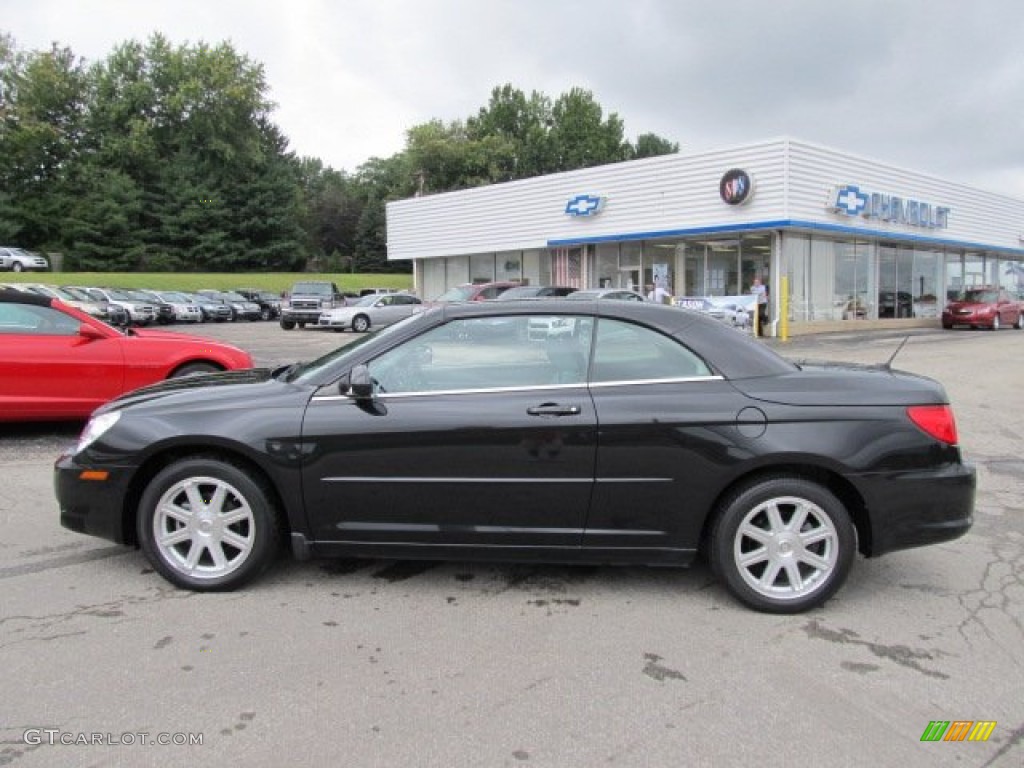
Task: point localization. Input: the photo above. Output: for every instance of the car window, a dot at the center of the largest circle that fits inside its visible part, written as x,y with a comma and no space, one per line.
627,352
489,353
38,321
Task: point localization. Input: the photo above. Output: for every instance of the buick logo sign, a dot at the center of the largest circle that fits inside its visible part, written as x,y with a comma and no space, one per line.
736,187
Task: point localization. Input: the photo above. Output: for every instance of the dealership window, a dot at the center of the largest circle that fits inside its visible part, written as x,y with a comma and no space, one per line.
509,266
926,277
798,267
854,279
630,276
481,268
606,266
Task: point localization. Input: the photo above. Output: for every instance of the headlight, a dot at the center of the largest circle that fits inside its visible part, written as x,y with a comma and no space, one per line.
96,428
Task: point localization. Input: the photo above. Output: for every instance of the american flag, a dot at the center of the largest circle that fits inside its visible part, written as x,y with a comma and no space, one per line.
565,267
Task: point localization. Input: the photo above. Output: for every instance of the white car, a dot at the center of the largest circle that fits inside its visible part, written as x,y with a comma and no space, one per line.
20,260
373,311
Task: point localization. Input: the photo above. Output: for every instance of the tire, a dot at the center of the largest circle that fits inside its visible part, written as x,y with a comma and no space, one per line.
996,322
301,324
1020,320
228,541
360,323
771,568
17,267
195,369
287,324
265,314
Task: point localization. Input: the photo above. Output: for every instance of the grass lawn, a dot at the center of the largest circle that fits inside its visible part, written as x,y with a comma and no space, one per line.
193,281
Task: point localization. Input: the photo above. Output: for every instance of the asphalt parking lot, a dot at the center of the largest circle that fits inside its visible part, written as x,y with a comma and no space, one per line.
381,663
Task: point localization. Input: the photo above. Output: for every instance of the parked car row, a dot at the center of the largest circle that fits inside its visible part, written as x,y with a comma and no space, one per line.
141,307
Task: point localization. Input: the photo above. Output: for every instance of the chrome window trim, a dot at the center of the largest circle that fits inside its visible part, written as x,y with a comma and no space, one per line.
546,387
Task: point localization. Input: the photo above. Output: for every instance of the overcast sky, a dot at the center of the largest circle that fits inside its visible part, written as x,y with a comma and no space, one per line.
932,86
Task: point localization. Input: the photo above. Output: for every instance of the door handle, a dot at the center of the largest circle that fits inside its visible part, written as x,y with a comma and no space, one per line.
553,409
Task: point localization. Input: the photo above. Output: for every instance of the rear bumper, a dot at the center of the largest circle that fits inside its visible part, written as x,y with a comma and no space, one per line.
914,509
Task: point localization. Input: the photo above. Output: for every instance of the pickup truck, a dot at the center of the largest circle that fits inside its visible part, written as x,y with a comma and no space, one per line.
306,300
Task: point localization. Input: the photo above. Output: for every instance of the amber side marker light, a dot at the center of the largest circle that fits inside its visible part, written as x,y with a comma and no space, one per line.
93,474
935,420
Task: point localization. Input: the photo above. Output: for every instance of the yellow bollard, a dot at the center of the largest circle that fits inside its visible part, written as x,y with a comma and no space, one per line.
784,308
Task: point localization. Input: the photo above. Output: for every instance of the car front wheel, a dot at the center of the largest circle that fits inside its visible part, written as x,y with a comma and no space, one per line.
360,324
287,324
205,525
782,544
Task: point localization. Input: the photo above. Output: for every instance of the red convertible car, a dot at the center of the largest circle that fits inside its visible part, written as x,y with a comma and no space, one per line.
990,308
57,362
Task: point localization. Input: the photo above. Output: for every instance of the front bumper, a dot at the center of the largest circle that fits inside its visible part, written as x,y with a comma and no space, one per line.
94,507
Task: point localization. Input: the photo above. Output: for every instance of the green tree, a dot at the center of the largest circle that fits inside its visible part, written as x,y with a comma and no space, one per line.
652,145
580,134
42,101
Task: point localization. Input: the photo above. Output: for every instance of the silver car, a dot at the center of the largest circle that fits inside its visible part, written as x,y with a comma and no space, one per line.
373,311
20,260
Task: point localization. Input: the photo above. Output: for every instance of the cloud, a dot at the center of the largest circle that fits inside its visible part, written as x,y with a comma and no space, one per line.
938,87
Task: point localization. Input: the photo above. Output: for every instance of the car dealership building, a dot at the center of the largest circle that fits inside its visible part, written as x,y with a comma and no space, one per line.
857,241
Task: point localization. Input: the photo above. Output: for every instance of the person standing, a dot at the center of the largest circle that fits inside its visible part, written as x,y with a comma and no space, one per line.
658,294
761,296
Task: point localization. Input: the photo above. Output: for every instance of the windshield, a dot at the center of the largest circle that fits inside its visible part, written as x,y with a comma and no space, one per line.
366,301
316,289
522,292
981,297
78,294
179,298
121,295
303,370
232,296
458,293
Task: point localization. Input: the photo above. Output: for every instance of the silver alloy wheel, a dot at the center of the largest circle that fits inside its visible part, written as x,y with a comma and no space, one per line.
204,528
786,548
995,322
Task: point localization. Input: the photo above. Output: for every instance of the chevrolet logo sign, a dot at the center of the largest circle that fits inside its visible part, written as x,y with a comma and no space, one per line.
584,205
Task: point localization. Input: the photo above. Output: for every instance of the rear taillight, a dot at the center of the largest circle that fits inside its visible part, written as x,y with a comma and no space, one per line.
935,420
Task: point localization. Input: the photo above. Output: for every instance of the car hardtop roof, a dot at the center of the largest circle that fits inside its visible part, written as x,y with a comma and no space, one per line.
736,355
12,296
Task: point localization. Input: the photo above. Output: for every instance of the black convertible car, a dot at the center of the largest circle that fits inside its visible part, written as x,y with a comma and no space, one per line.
587,432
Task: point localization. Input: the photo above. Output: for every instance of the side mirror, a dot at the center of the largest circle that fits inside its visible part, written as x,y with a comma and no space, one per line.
360,383
86,331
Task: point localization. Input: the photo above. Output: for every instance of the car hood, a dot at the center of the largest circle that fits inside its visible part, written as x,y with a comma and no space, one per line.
175,336
210,387
972,305
844,384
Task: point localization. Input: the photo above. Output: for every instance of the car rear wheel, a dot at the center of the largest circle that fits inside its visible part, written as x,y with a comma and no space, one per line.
782,544
265,313
1020,320
360,323
287,324
206,524
17,267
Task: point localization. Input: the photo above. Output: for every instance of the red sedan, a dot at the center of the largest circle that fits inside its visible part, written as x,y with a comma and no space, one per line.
57,362
984,308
